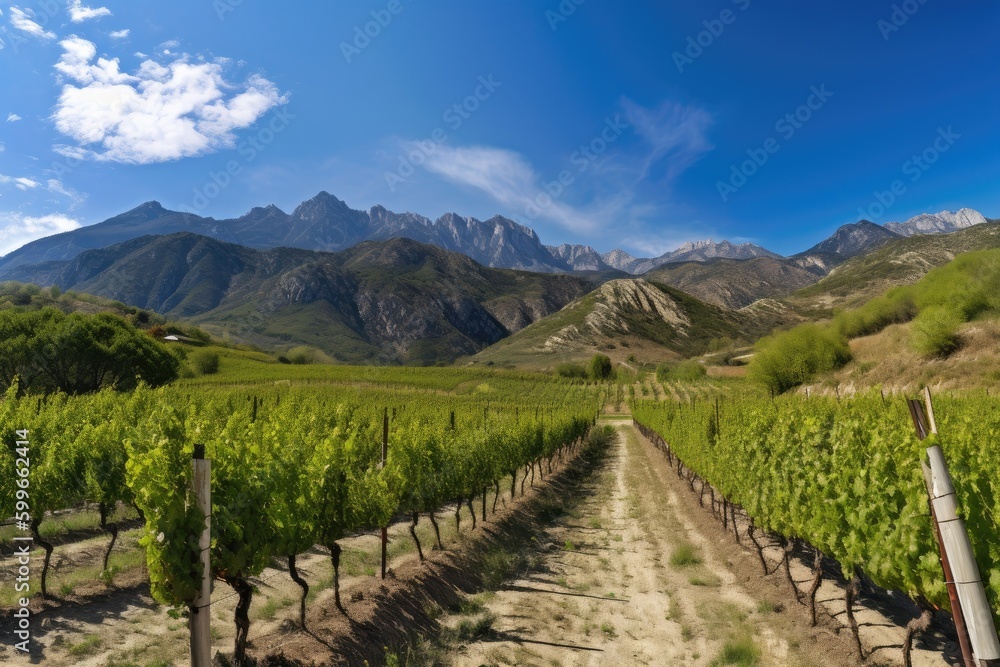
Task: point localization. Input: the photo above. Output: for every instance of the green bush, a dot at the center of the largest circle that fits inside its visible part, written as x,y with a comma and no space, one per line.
720,344
685,371
600,367
571,370
304,354
204,362
790,358
895,307
935,331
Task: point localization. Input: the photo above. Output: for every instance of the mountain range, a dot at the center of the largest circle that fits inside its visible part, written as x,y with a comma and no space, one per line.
329,224
395,301
270,279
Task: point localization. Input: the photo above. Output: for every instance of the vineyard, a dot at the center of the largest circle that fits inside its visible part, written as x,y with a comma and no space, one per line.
298,471
293,465
843,476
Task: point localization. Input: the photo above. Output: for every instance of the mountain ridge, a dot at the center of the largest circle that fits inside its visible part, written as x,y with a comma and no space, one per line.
393,301
327,223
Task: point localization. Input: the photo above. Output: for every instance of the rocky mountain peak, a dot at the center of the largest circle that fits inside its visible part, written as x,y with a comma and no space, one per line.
938,223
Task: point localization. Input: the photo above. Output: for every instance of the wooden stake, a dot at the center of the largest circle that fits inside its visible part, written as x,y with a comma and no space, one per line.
200,617
385,455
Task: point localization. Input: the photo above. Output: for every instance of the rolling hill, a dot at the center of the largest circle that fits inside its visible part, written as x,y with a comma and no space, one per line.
899,261
628,317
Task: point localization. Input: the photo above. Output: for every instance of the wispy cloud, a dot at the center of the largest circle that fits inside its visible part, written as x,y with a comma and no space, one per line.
55,186
22,19
664,141
505,176
20,182
119,34
674,133
159,113
78,13
13,118
17,229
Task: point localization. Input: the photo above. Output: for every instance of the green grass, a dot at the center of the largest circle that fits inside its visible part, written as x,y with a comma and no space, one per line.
685,555
470,629
272,606
471,605
127,557
87,646
768,607
498,565
740,650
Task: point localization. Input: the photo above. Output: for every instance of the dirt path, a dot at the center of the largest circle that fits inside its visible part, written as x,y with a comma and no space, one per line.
628,578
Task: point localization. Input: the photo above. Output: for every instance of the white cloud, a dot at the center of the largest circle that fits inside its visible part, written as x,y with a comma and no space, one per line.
13,118
159,113
16,229
55,186
508,178
78,13
21,19
3,147
71,152
24,183
119,34
614,191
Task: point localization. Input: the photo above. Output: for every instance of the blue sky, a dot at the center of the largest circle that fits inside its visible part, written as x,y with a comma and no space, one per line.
637,125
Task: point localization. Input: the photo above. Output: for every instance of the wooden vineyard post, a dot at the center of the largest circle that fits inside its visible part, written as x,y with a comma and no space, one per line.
977,634
385,454
200,617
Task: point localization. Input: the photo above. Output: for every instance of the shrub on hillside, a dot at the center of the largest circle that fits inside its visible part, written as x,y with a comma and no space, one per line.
600,367
572,371
204,362
935,331
304,354
685,371
895,307
790,358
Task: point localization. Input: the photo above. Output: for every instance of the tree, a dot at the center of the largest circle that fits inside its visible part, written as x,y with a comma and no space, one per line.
51,351
600,367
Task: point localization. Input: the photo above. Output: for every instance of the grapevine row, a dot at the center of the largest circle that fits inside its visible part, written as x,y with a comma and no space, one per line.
845,476
293,467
